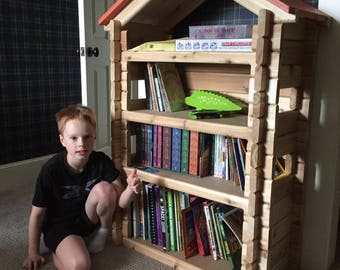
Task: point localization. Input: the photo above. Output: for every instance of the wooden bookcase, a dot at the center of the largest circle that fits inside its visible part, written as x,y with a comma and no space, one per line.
275,79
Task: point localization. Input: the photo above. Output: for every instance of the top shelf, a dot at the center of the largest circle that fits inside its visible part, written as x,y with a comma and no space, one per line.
245,58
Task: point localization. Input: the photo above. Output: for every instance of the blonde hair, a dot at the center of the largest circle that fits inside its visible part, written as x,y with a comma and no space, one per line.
72,112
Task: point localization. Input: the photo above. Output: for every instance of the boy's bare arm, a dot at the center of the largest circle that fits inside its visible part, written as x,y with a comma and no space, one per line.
34,232
126,194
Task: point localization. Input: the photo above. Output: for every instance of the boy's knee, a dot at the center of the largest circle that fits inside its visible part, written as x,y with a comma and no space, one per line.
106,191
79,263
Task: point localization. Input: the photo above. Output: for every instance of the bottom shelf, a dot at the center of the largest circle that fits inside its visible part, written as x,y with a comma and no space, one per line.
175,259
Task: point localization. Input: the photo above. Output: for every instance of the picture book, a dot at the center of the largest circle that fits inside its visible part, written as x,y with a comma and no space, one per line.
188,232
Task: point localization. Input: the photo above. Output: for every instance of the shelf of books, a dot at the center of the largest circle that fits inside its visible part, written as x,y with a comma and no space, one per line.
209,187
234,126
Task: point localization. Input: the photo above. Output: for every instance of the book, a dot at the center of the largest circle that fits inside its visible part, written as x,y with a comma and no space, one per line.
177,208
154,146
171,219
136,216
185,151
151,88
188,231
222,45
239,161
166,144
159,146
152,213
146,216
163,197
220,31
176,149
210,229
200,227
205,144
173,86
193,152
234,220
159,235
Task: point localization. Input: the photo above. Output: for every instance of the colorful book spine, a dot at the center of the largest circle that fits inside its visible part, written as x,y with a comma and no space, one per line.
185,151
211,232
188,231
152,211
163,197
154,146
167,136
193,155
159,240
159,146
205,143
176,149
171,216
149,145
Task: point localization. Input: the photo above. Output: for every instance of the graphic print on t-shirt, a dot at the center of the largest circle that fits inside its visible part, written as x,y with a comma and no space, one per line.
75,191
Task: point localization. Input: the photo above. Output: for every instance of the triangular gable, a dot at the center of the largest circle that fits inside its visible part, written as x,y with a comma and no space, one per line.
284,10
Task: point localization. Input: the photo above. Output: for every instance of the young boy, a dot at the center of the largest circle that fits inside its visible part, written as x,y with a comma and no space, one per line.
76,194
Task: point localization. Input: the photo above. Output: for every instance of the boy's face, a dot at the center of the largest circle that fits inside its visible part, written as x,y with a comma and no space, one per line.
78,138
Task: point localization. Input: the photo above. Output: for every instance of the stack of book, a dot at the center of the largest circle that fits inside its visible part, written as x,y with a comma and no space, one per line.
217,38
177,221
192,152
165,88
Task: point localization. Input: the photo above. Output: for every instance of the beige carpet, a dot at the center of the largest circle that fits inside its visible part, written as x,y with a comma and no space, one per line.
15,199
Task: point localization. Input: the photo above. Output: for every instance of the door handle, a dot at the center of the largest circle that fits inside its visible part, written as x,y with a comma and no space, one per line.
92,52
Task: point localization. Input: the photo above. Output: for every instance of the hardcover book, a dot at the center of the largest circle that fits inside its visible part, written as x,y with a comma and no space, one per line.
167,137
188,231
171,218
205,144
152,213
200,227
193,153
163,197
176,149
185,151
173,86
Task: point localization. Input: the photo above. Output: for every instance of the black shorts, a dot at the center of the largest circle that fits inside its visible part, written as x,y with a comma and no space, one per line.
81,226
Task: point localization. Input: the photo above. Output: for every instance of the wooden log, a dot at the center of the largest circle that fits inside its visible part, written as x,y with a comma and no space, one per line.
273,234
275,191
254,181
115,51
115,71
273,213
113,27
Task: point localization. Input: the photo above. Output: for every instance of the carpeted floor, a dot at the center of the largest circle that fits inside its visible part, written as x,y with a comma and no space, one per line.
15,199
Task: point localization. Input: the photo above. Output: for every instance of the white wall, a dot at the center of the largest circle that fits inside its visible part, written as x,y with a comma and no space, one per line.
323,170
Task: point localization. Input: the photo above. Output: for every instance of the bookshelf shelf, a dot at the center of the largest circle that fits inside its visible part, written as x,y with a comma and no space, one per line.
191,57
212,188
234,126
175,259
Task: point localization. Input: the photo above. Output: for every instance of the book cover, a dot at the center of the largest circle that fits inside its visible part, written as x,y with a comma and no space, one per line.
220,251
185,151
220,31
188,232
232,162
177,208
193,152
136,217
200,228
171,218
157,84
176,149
159,146
172,85
167,136
205,144
234,220
233,247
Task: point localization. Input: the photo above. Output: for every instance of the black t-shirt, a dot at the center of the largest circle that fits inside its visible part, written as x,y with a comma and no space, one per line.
64,192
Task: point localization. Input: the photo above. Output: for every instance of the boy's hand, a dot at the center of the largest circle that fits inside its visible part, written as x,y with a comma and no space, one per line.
33,262
134,182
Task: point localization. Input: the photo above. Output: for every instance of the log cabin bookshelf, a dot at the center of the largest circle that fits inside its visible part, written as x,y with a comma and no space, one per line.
275,79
